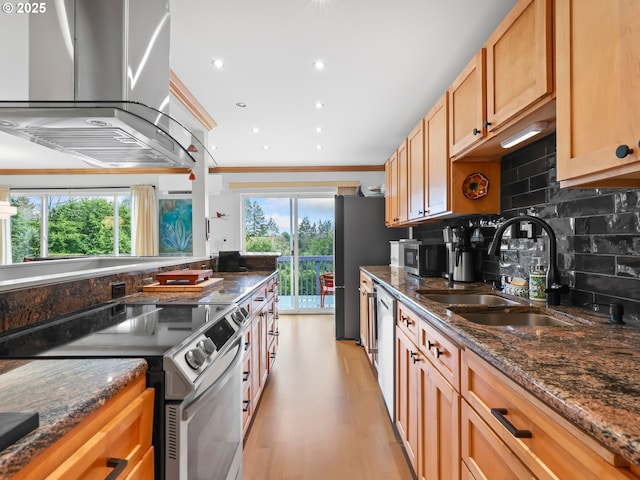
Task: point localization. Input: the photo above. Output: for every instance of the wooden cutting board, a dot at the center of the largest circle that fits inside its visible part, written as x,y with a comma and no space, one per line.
182,287
191,277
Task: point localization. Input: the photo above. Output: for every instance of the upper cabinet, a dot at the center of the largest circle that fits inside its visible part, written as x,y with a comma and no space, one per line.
415,171
598,93
403,181
504,87
391,190
519,61
436,149
396,208
467,106
449,164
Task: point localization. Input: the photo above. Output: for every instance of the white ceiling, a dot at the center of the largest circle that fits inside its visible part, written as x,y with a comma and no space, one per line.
388,61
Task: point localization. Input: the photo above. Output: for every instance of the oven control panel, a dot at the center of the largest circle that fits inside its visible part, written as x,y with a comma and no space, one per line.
188,364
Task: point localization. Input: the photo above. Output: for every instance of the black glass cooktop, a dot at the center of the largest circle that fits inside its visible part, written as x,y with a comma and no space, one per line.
110,330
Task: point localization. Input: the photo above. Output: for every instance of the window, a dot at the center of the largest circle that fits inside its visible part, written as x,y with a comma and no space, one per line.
53,225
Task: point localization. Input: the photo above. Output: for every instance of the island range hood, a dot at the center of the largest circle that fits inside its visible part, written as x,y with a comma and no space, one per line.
99,85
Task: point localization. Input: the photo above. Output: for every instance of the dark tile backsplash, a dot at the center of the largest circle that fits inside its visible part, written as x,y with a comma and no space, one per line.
598,231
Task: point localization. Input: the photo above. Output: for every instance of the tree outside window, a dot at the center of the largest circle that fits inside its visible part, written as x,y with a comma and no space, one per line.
77,225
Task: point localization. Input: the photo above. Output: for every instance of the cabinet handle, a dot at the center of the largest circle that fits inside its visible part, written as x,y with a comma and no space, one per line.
415,357
624,150
486,124
500,413
246,374
259,299
246,405
476,131
430,345
438,352
273,332
246,346
118,465
272,355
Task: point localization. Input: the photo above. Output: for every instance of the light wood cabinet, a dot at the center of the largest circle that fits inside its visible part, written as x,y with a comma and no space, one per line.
519,61
598,99
392,214
427,404
407,395
438,426
484,454
261,346
467,105
436,152
396,200
403,182
442,184
119,430
416,173
367,316
508,85
508,433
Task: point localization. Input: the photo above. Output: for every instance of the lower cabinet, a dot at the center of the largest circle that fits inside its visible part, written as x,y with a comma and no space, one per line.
507,433
261,346
113,442
461,418
367,316
427,405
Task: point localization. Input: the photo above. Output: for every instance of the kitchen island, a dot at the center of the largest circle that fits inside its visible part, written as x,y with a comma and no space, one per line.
258,289
586,372
63,392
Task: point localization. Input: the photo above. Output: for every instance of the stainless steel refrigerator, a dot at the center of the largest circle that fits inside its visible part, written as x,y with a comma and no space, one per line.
361,238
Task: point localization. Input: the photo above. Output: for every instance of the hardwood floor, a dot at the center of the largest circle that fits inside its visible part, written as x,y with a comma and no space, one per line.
321,415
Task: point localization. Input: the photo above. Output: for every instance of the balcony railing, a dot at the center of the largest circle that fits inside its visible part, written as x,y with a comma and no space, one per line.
309,269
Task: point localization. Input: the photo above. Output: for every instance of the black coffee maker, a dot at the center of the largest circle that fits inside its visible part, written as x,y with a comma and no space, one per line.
460,254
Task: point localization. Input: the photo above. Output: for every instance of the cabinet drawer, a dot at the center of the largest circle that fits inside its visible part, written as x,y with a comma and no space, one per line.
408,322
366,283
555,449
126,437
144,468
442,353
484,454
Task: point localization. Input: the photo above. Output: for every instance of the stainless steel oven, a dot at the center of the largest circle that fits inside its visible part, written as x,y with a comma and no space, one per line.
204,429
194,357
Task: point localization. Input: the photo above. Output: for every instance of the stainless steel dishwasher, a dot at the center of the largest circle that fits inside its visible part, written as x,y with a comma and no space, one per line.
385,325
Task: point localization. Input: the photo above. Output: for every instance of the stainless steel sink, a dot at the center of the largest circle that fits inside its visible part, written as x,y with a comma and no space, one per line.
467,298
502,318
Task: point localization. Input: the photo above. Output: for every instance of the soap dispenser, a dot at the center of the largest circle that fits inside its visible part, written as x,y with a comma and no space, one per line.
537,281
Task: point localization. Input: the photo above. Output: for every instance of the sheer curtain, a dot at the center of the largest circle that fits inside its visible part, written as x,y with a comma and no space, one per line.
5,231
144,221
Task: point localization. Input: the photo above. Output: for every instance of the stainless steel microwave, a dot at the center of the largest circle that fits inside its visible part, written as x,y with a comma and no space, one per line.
424,259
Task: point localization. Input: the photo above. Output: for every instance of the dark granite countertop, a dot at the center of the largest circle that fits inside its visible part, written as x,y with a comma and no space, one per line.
63,392
234,287
588,372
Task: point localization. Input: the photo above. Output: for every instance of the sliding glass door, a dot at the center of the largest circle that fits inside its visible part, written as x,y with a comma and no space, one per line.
300,228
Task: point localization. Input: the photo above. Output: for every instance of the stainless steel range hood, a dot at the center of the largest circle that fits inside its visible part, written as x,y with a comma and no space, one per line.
99,85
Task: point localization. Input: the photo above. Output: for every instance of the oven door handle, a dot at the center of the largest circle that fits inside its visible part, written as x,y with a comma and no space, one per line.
191,409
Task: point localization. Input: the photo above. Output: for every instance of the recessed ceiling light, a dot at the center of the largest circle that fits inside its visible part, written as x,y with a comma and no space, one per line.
266,147
218,63
241,104
319,129
319,104
319,147
319,65
255,129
